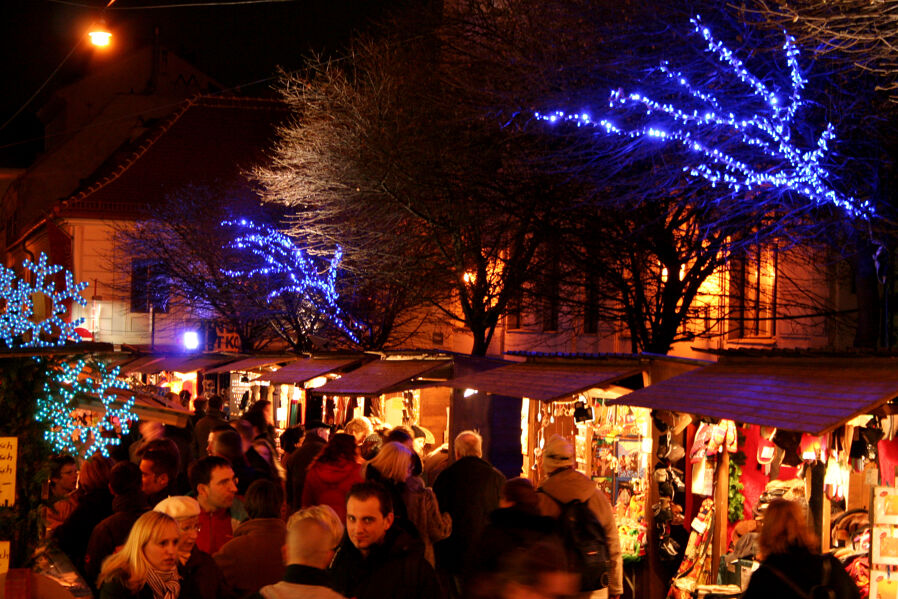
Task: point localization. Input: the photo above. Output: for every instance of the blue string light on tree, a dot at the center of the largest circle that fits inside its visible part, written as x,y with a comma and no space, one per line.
290,270
17,325
85,380
743,153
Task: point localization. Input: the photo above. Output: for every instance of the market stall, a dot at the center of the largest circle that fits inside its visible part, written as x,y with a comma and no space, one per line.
810,427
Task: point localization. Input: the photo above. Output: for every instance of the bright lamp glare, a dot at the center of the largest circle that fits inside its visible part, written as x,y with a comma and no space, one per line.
191,340
470,392
100,38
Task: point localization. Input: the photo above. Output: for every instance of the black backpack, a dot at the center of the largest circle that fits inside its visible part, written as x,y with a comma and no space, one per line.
585,538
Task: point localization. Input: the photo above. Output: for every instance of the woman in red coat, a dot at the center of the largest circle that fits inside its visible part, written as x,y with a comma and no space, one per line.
332,473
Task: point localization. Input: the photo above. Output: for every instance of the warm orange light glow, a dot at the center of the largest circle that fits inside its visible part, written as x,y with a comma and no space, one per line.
99,36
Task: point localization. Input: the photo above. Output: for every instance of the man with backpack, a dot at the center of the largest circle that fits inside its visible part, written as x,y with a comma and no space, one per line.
586,520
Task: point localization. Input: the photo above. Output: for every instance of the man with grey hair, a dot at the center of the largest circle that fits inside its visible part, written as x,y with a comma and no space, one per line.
312,535
469,489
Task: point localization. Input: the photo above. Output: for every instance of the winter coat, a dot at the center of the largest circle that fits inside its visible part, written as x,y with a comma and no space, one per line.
567,485
114,588
300,582
297,466
395,568
468,490
803,568
253,558
74,534
509,529
424,512
328,484
201,578
112,532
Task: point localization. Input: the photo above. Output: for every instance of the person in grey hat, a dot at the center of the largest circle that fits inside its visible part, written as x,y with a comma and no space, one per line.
562,484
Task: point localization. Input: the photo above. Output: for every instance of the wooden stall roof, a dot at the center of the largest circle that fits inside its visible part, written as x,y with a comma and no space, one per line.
184,363
139,363
806,394
305,369
380,376
147,408
546,381
250,363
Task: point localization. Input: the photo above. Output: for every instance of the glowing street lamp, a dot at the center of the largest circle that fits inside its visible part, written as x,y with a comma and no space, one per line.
99,35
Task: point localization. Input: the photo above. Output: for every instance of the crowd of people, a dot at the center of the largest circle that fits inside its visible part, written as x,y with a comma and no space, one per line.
218,509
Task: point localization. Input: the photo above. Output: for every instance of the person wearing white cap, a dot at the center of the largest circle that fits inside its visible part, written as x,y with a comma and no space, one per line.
563,484
201,577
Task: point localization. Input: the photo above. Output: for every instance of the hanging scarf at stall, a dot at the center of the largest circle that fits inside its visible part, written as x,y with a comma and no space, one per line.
695,569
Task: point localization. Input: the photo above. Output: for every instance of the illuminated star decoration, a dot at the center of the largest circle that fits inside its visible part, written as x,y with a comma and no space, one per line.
284,261
61,393
16,322
772,158
18,329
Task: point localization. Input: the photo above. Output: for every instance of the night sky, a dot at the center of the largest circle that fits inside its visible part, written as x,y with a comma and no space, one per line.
235,44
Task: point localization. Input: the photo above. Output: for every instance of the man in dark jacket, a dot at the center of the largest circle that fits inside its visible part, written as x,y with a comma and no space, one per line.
469,490
205,425
128,503
298,463
374,559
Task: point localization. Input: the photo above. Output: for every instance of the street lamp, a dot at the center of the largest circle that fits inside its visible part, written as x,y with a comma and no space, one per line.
99,34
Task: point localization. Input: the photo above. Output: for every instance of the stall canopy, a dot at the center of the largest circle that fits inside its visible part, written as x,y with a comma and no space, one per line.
250,364
185,363
148,408
545,381
305,369
805,394
382,376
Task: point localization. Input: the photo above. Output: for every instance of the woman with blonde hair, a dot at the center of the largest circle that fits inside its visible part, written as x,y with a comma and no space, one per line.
146,567
413,501
791,566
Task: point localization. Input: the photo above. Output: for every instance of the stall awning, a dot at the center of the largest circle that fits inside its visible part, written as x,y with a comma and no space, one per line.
146,407
250,364
186,363
306,369
801,394
545,381
381,376
137,364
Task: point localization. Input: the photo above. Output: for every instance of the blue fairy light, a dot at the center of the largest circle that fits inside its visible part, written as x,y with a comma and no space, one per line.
283,261
767,134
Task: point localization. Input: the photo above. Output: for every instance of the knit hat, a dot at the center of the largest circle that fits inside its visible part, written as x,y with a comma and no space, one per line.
557,453
179,506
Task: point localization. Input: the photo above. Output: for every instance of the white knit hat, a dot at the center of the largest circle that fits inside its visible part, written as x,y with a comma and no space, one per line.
179,506
558,453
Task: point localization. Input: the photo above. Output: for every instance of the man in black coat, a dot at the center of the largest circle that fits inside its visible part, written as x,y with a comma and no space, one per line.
376,560
214,417
469,489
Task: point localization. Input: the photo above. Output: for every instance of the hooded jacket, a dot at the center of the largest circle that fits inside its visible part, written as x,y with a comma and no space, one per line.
112,531
328,484
252,559
566,484
395,568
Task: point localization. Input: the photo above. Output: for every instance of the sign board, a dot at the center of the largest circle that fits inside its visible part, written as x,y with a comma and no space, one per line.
4,557
9,449
226,340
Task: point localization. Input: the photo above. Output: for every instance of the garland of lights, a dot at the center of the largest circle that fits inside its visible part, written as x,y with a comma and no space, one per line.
283,258
65,383
70,435
784,166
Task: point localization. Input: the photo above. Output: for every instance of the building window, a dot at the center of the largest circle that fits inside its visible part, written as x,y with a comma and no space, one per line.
753,294
513,311
591,309
149,286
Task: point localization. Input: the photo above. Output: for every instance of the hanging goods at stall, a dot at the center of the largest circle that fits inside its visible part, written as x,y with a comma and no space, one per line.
582,532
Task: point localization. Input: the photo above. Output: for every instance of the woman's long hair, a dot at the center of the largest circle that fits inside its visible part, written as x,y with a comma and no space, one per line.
130,564
340,447
393,462
785,529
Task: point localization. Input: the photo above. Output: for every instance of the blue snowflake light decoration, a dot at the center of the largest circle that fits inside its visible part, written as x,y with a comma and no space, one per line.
66,381
80,436
17,321
293,269
760,151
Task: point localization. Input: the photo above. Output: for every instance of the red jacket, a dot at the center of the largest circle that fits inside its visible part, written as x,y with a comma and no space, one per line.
216,529
328,484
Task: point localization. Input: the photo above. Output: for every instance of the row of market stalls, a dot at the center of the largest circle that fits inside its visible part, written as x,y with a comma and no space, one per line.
661,435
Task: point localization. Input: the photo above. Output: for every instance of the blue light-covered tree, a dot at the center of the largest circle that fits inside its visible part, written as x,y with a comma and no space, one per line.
301,289
748,146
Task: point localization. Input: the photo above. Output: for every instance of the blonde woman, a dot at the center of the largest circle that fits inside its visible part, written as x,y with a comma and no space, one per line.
392,467
146,567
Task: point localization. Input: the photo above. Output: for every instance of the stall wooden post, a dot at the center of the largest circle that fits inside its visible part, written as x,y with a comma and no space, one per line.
721,510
